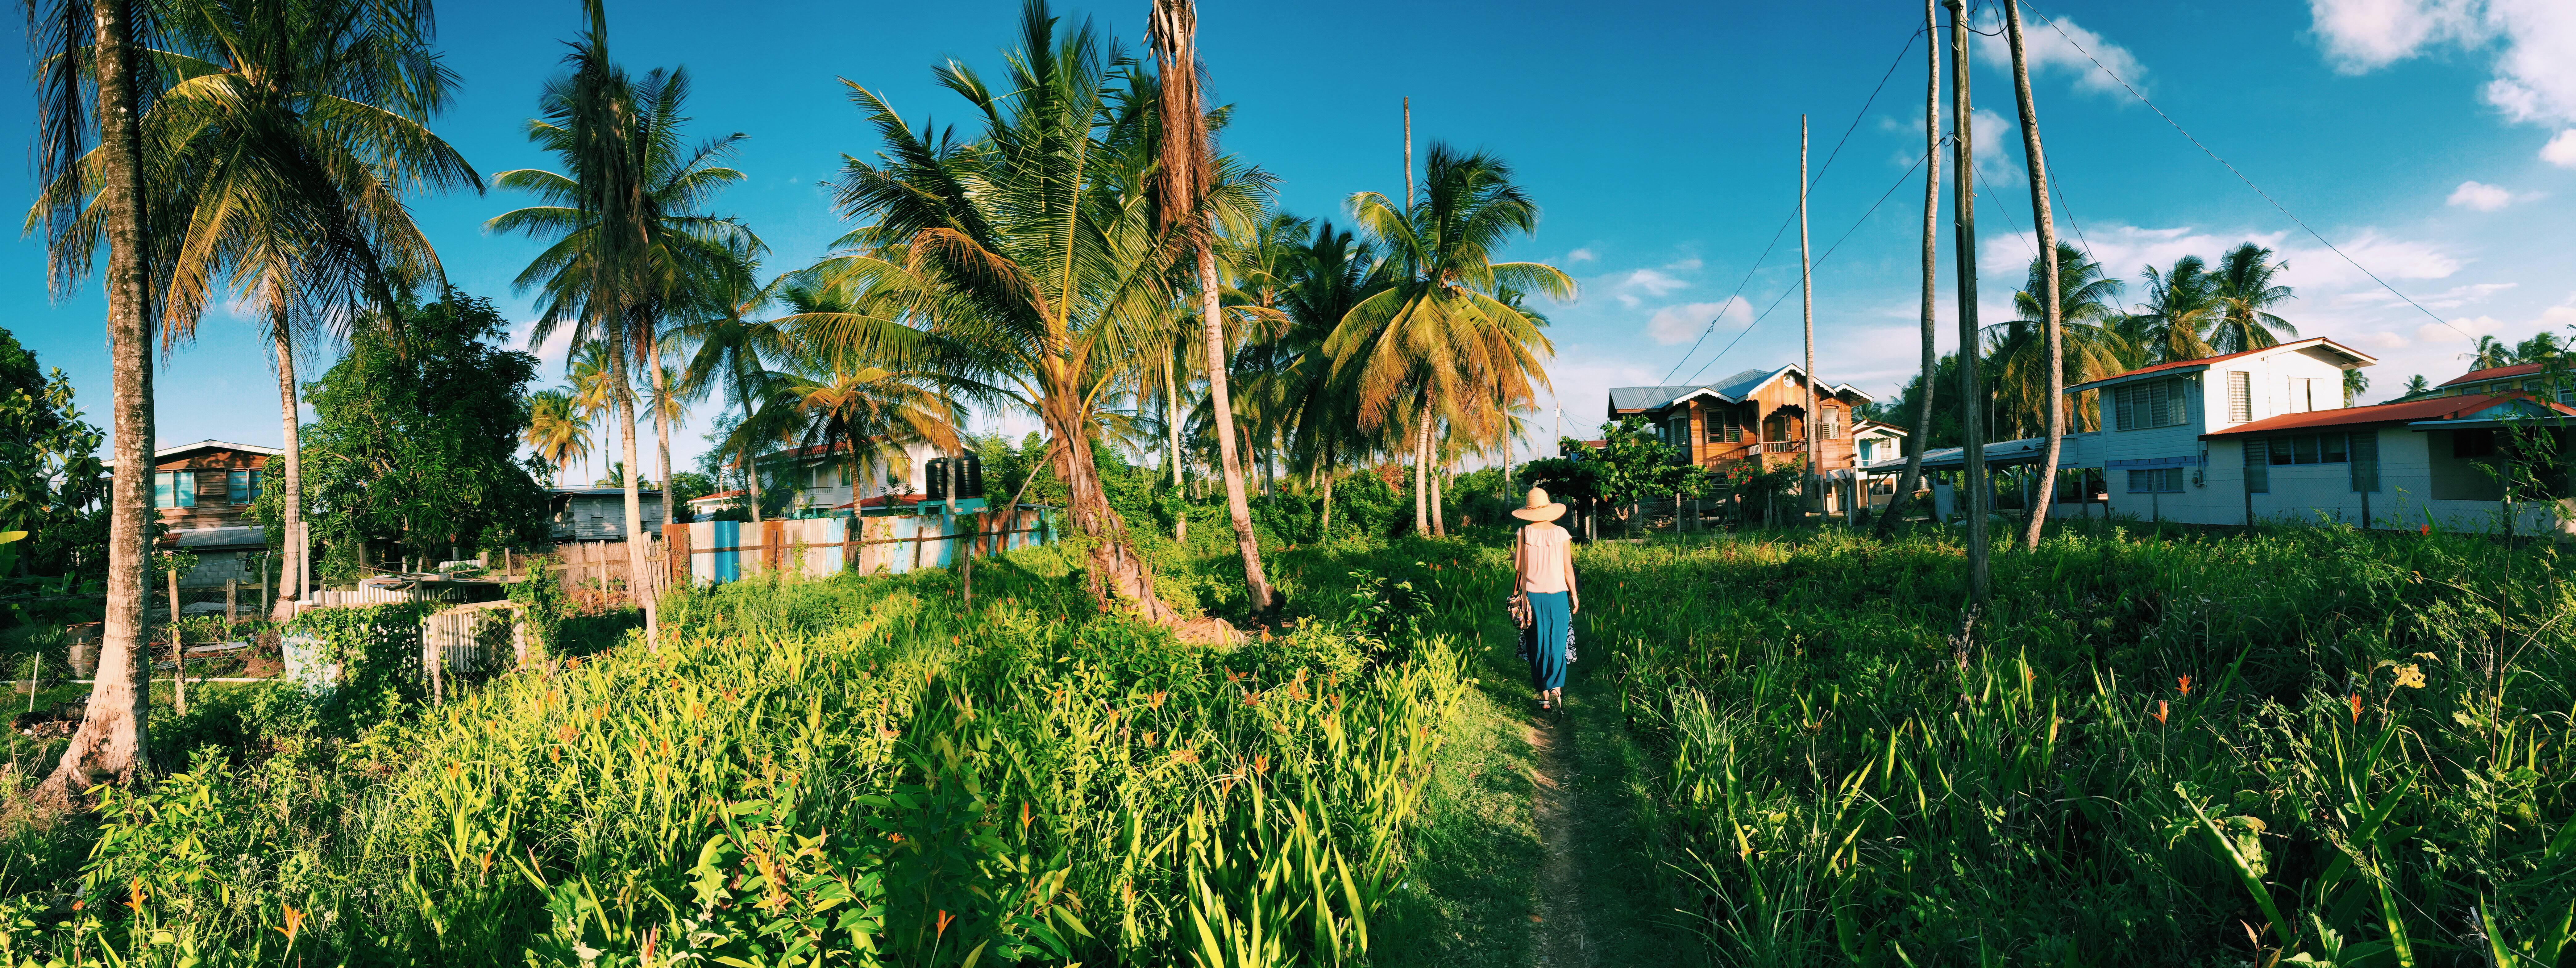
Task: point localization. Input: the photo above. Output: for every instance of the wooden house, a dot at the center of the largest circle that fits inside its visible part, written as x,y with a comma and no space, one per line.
1754,420
203,492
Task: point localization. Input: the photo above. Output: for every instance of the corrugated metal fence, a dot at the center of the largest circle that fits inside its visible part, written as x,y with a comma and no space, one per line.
723,551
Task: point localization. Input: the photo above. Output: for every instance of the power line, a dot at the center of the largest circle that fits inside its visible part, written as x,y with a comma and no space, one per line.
1820,260
2240,176
1793,215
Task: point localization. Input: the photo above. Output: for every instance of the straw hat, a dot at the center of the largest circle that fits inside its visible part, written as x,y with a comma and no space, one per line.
1538,507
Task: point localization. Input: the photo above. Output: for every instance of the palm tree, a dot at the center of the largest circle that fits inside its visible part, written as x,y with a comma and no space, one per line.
1437,336
557,428
1029,260
2489,353
298,124
1181,179
2246,293
731,351
2019,351
2182,308
89,48
1328,273
629,246
2354,385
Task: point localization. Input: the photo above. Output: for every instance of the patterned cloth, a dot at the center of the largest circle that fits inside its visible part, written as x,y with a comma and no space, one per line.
1551,621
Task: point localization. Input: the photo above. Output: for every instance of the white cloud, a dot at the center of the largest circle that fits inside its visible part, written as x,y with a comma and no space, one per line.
1580,255
2535,79
1677,324
2381,340
2064,47
2480,196
1634,287
2561,150
2460,330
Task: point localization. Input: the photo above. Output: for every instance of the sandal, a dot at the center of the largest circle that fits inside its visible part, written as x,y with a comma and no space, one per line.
1542,704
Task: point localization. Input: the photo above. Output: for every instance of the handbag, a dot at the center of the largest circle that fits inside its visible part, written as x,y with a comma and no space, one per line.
1529,632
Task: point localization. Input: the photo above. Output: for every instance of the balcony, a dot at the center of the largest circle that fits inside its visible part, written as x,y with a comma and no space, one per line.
1766,453
1784,446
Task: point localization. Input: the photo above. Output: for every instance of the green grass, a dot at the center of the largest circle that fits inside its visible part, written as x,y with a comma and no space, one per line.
2368,764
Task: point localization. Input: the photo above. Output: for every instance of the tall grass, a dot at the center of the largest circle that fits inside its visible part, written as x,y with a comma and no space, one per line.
2293,746
857,771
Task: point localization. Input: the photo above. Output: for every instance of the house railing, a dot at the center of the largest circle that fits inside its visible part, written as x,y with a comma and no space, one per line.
1782,446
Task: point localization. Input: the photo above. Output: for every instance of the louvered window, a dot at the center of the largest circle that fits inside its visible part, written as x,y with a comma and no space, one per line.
2154,403
2258,467
2365,461
2240,396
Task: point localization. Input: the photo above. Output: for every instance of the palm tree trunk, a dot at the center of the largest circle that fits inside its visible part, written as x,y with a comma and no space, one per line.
750,466
1421,463
662,430
2046,492
1922,437
1325,531
1235,506
1439,521
293,415
1172,419
1116,574
638,575
1972,433
112,742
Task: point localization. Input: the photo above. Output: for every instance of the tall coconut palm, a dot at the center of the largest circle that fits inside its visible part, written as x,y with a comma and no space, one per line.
90,76
730,353
1332,273
299,125
2245,291
2019,352
557,429
1436,335
2488,353
2181,310
1032,259
1187,163
628,241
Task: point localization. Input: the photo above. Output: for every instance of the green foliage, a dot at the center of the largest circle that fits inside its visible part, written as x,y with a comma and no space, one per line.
2350,743
416,440
52,485
686,486
853,771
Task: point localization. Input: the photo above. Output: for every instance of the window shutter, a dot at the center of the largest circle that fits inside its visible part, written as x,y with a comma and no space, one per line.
2177,402
2258,467
161,489
2240,396
2124,407
2365,461
187,481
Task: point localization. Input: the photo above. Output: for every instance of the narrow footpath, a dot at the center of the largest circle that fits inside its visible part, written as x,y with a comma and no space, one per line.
1537,844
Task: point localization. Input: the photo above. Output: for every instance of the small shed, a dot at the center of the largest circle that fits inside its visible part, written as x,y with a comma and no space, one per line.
599,513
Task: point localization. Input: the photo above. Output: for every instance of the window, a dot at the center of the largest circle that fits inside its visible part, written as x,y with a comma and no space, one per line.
2153,403
2365,461
2240,396
1831,428
1725,428
241,487
2303,395
2156,480
2258,469
2307,449
174,489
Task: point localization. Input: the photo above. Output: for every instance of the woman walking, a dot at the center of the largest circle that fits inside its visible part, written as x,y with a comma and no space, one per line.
1543,570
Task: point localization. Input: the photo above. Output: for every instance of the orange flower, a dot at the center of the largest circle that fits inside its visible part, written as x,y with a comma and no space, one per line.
294,925
2425,530
2356,709
2186,685
945,919
2160,711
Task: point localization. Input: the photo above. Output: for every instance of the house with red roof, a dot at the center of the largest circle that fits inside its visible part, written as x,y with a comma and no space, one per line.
2264,436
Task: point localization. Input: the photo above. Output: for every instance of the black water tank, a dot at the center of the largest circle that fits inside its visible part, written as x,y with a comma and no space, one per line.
970,477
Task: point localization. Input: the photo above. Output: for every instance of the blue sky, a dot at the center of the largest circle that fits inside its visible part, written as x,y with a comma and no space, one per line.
2434,141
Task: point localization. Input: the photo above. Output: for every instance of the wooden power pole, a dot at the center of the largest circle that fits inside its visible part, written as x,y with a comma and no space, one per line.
1815,476
1913,475
1973,444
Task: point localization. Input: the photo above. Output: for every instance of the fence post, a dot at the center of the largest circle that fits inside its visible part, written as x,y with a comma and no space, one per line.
675,544
232,601
773,534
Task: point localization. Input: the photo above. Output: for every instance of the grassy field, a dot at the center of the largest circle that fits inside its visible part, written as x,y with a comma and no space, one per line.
2300,746
2297,746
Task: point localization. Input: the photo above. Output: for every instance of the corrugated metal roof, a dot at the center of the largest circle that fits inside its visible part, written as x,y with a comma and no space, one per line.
1743,384
1733,389
2433,408
1644,398
2494,373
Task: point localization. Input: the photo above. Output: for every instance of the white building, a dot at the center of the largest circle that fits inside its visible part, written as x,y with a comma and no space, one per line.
2264,436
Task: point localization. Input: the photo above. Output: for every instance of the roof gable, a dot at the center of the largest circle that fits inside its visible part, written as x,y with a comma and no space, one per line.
2178,367
2493,373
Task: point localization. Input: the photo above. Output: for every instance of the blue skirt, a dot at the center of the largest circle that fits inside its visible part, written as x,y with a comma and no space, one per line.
1550,623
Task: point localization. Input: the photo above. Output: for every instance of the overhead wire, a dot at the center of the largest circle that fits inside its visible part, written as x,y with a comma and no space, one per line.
1793,215
1819,260
2240,176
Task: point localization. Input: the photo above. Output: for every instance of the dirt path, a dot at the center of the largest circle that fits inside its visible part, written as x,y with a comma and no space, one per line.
1557,807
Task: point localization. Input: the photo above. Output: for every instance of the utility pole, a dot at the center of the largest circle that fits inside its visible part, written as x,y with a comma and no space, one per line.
1913,475
1973,445
2046,493
1815,477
